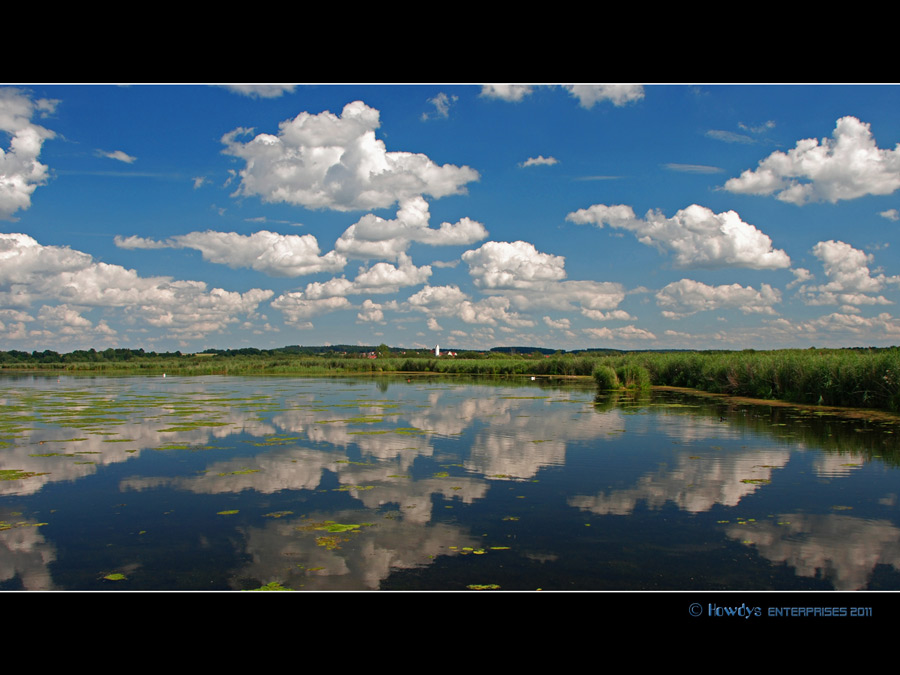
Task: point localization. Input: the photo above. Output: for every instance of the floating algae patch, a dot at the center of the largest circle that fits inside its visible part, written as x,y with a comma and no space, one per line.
275,440
9,526
17,474
190,426
342,527
239,472
352,420
330,542
332,526
271,586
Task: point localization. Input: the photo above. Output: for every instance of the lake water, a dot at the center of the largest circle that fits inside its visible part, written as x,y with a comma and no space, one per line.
226,483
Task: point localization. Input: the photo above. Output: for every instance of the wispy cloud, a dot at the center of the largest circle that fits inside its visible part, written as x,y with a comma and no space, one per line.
117,155
757,129
263,219
261,90
729,136
540,160
441,104
692,168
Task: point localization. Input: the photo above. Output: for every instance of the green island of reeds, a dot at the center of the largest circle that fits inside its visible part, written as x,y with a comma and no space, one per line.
857,378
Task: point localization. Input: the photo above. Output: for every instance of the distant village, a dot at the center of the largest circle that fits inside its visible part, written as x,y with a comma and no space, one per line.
437,352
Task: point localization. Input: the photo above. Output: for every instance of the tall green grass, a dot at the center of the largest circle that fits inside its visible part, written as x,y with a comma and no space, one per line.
838,377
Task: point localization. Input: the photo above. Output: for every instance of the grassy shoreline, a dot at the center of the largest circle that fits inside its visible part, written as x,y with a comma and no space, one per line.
851,378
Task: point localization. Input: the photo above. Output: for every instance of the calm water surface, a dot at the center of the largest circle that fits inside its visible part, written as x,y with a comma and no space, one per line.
218,483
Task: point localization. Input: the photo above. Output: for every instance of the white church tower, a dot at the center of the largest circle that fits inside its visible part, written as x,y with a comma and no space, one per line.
437,350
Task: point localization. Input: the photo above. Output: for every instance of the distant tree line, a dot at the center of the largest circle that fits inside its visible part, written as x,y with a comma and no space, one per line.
82,356
111,355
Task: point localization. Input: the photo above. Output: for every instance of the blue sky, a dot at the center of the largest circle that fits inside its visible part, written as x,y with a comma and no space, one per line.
628,216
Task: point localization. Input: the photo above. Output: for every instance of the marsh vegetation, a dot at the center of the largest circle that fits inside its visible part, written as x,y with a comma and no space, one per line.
862,378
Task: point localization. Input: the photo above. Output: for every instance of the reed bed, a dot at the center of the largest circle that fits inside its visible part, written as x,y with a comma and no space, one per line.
839,377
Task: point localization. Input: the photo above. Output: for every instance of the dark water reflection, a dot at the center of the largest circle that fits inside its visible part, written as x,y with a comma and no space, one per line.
336,484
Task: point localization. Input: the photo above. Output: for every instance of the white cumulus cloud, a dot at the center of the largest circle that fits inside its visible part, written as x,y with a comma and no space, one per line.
327,161
321,297
687,297
371,312
279,255
507,265
696,235
31,273
618,94
506,92
846,166
850,281
376,237
623,333
530,279
559,324
588,95
449,301
387,278
20,170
